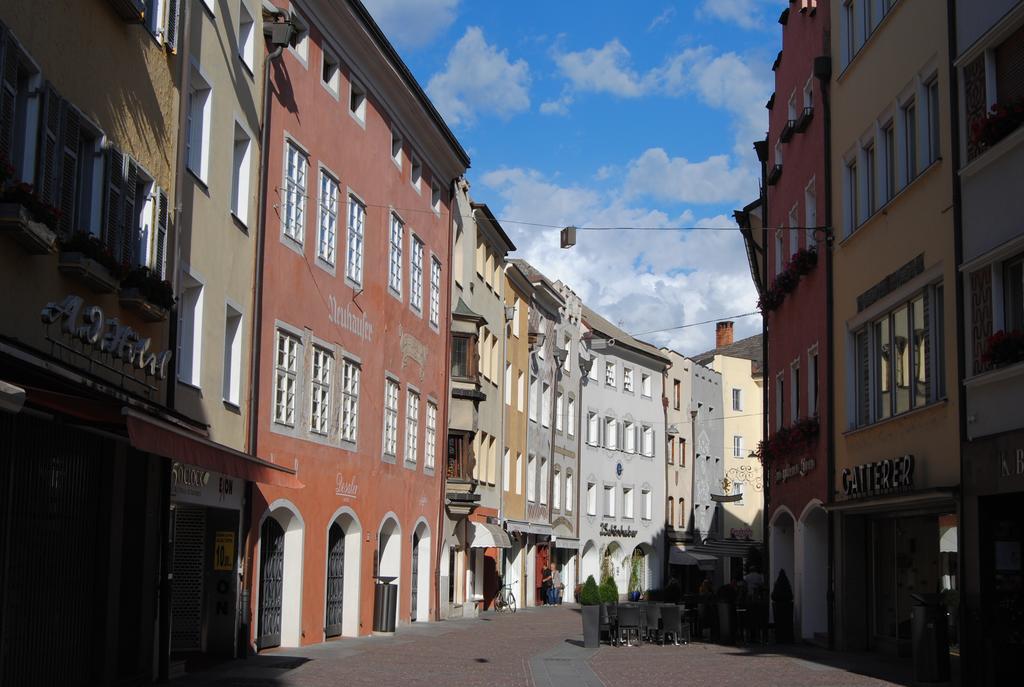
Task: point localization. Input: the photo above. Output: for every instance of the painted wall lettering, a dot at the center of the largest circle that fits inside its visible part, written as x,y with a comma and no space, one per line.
884,477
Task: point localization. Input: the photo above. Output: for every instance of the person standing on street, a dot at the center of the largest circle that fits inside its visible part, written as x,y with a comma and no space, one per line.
555,598
545,584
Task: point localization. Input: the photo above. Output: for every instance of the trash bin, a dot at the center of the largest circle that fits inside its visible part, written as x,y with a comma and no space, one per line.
385,605
928,627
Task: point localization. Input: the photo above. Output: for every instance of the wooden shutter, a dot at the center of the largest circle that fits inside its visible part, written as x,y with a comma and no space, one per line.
863,377
49,154
113,217
72,127
131,225
160,254
8,91
1009,59
171,26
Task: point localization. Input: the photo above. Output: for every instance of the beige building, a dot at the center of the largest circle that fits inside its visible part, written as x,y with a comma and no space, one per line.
897,458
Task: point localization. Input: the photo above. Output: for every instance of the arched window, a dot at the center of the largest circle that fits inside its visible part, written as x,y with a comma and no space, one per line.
669,514
682,513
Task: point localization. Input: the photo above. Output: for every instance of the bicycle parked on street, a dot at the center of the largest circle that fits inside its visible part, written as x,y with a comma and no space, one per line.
505,600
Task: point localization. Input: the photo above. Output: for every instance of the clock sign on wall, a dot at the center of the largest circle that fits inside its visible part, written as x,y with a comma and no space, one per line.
618,469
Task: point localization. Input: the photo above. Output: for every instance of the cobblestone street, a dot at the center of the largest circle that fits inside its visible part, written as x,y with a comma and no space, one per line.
542,648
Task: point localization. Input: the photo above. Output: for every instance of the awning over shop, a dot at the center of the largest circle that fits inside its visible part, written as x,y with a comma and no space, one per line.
929,499
488,536
680,556
567,543
528,527
152,435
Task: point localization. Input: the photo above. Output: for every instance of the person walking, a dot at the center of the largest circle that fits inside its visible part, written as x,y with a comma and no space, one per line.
545,584
556,586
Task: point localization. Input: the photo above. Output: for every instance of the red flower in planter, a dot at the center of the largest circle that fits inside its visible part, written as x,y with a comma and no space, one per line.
998,123
804,261
1004,348
787,280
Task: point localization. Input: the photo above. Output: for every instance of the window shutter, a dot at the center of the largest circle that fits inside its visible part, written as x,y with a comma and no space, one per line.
619,442
113,218
160,257
69,169
130,226
864,378
48,167
8,87
171,27
1009,59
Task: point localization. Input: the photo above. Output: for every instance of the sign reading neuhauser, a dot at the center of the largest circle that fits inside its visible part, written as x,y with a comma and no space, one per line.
875,479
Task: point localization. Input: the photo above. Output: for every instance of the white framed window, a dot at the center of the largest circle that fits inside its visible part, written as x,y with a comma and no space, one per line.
645,497
350,401
779,250
648,440
568,491
545,405
593,371
611,433
737,490
852,197
780,400
609,501
395,255
534,401
293,214
390,417
849,31
932,114
506,469
356,221
793,223
430,447
519,472
197,132
415,173
542,340
869,178
812,382
593,429
737,399
241,163
412,426
645,385
810,215
299,46
520,391
190,331
396,146
609,374
209,4
791,111
330,72
531,478
232,387
910,138
543,486
794,391
286,374
627,502
435,293
435,197
889,156
737,446
571,419
591,498
517,303
508,384
567,363
357,101
559,410
327,232
629,438
809,92
627,379
416,275
320,391
246,36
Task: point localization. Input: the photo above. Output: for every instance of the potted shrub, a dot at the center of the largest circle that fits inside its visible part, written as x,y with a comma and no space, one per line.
590,600
609,591
635,566
782,605
145,292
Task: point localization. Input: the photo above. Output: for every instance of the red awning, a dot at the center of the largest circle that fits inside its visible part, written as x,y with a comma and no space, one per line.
165,439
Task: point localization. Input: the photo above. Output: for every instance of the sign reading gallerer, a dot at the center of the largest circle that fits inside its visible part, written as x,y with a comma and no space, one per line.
888,476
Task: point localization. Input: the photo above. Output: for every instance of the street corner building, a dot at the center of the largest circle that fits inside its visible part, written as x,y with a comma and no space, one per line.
351,359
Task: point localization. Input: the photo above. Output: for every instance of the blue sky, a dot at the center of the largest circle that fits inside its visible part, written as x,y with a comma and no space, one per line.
583,113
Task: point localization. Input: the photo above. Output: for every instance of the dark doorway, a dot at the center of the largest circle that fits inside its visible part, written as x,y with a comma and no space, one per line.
415,575
271,583
335,580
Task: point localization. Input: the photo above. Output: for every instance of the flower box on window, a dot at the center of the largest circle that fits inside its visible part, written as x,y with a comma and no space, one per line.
146,293
1004,348
1000,122
787,130
804,120
130,10
88,271
35,237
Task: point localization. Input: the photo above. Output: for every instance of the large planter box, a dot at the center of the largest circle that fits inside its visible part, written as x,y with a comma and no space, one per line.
591,626
88,271
726,614
35,237
133,299
783,621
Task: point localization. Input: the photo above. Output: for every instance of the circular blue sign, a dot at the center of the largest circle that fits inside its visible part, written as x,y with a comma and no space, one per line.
618,469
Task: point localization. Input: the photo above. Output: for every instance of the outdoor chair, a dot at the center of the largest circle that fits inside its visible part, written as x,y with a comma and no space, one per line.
629,623
670,624
652,617
684,624
607,623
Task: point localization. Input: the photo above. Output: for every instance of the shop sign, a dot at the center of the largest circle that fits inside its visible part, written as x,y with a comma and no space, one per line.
357,323
741,532
1011,465
190,484
616,531
347,489
89,325
788,472
224,551
883,477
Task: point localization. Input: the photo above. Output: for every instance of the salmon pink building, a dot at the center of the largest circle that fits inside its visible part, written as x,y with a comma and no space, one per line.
353,310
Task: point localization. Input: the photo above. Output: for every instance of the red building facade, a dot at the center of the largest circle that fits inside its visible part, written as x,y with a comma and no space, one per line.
795,315
352,333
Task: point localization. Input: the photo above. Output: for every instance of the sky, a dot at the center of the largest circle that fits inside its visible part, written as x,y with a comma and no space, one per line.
580,113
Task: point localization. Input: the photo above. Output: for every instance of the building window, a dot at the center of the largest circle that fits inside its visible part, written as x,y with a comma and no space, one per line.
531,478
849,30
794,390
197,133
737,490
629,439
780,399
609,374
300,39
869,178
286,377
246,36
627,503
682,452
852,197
792,224
328,227
898,364
1013,294
430,446
412,426
609,501
737,446
395,259
520,391
611,433
545,404
357,101
645,385
435,196
934,133
648,440
812,383
645,497
534,401
593,429
416,275
669,511
910,127
571,419
543,481
435,292
559,410
240,166
779,250
190,334
506,470
809,93
232,356
682,514
889,141
677,393
737,399
810,215
390,417
415,173
519,472
349,401
464,357
356,220
627,379
320,392
396,147
293,215
516,309
330,73
568,491
591,498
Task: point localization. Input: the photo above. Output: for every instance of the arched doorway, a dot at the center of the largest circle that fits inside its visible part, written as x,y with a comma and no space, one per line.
647,572
589,564
389,553
279,612
613,565
420,570
783,547
814,572
341,615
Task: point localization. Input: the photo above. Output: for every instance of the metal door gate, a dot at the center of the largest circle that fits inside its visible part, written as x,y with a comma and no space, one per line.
335,580
187,584
271,584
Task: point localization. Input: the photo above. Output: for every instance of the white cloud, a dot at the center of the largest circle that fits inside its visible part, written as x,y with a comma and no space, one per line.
559,106
663,18
479,79
644,280
713,180
744,13
413,23
602,70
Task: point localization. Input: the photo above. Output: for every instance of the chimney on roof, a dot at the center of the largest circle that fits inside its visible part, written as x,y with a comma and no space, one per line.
723,334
